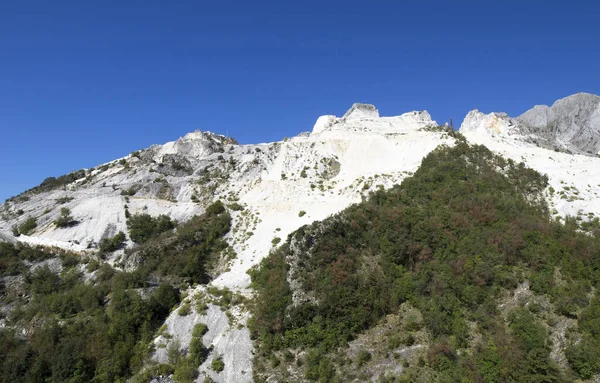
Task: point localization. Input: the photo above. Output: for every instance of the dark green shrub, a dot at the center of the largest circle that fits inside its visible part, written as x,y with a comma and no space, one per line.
217,364
236,206
129,192
363,357
143,226
108,245
185,371
26,227
65,219
64,200
198,352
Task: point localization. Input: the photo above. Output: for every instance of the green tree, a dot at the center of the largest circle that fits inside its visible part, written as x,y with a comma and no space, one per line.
26,227
65,219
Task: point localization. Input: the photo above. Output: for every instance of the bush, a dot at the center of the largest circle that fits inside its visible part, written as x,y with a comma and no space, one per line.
301,213
236,206
198,352
217,364
129,192
185,371
199,330
215,208
64,200
51,183
185,309
108,245
26,227
363,357
143,226
65,219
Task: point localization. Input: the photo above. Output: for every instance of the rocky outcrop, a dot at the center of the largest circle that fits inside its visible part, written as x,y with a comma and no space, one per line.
194,145
492,124
323,123
5,237
571,123
360,111
365,118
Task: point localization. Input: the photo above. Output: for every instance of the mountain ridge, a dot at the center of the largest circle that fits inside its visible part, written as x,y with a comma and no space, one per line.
271,190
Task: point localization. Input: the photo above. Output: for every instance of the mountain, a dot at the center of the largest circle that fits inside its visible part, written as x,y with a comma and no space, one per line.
235,207
571,125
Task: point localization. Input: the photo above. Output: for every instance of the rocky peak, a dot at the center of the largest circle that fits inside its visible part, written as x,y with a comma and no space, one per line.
323,123
572,123
210,136
360,111
421,116
494,124
366,118
196,145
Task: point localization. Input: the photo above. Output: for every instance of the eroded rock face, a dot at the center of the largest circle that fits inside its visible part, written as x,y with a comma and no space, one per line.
365,118
5,237
571,123
360,111
194,145
493,124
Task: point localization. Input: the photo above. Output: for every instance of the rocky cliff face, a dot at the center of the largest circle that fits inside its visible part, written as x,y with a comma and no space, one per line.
571,123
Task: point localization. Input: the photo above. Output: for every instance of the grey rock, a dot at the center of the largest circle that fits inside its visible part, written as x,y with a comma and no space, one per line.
5,237
570,124
360,111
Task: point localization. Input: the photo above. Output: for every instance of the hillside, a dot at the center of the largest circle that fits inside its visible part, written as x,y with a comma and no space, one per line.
170,233
457,274
269,190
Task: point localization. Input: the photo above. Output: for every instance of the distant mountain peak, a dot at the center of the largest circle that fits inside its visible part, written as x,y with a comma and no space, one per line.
571,124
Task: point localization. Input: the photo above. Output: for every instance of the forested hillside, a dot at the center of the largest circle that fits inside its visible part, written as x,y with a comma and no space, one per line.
457,274
80,320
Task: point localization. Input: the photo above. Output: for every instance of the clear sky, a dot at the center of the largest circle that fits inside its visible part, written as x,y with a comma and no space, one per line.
85,82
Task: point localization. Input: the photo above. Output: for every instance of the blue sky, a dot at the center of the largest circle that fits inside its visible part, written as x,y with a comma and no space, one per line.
84,82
